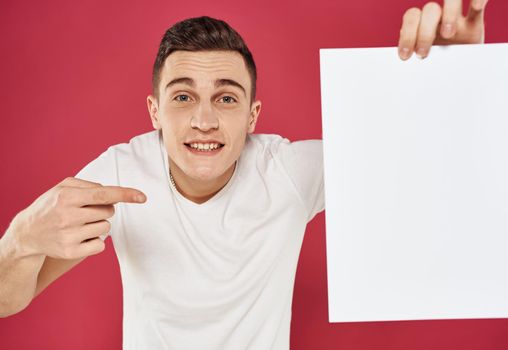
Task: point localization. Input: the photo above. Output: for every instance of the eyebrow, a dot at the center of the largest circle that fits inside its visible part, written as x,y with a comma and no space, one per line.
229,82
184,80
218,83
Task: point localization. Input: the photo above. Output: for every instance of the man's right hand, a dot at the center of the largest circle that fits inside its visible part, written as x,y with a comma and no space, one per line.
66,221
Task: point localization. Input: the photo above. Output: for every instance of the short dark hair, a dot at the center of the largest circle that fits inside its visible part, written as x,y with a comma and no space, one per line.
202,34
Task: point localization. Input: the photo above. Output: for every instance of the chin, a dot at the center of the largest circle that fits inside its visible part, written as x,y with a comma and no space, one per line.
204,173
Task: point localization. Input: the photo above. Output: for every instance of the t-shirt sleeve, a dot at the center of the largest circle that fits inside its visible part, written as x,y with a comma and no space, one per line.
303,161
102,170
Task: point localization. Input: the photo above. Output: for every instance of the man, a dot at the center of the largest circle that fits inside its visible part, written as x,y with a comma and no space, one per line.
208,257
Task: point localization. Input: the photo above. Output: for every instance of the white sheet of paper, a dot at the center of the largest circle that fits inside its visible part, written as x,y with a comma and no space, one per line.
416,178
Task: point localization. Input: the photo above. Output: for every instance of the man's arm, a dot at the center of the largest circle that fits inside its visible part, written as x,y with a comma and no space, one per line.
56,232
51,270
23,278
18,276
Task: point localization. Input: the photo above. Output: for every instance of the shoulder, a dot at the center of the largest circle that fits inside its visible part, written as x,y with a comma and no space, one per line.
261,143
276,152
138,145
278,146
295,166
140,151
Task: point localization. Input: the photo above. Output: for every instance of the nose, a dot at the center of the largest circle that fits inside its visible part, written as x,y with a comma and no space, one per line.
204,118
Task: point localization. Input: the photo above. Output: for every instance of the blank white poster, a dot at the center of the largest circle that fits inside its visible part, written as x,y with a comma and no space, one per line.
416,179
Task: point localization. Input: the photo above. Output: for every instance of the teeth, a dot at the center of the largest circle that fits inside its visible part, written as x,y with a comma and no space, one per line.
205,146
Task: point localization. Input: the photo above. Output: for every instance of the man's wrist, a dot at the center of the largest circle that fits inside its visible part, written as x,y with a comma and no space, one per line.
12,246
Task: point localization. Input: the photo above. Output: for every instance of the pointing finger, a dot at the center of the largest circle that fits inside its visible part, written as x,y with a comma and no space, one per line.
106,195
75,182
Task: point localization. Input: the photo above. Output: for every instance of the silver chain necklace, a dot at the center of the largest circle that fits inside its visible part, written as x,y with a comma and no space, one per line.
171,179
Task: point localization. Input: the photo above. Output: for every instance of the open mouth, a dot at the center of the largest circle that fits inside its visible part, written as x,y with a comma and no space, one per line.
211,147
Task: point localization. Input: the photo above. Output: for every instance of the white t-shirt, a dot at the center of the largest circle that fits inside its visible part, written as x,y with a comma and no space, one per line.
217,275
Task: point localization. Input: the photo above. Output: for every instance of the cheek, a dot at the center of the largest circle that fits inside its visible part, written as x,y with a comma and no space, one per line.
236,119
234,126
175,122
236,135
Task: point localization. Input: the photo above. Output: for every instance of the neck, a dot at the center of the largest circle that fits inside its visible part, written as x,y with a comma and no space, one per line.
198,191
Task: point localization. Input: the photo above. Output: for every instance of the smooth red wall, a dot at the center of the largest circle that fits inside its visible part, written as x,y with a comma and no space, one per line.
74,78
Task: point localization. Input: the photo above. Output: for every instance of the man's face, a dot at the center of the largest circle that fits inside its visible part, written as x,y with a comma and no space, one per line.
204,110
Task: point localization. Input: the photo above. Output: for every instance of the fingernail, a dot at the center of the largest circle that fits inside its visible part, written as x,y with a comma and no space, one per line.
421,53
140,198
447,30
404,53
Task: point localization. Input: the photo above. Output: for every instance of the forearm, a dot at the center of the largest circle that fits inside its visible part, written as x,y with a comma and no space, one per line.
18,275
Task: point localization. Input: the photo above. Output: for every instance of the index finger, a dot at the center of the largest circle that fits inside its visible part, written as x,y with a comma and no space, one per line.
106,195
77,182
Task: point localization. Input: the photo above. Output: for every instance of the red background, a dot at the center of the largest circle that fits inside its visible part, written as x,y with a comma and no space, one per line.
74,80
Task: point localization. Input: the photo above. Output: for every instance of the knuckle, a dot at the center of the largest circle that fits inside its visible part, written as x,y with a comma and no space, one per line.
68,253
99,196
62,221
63,241
425,40
406,36
91,183
97,247
449,17
100,246
107,226
65,181
111,211
102,227
63,194
59,248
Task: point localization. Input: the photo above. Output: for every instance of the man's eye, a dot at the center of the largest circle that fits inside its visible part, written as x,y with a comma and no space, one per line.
182,98
227,99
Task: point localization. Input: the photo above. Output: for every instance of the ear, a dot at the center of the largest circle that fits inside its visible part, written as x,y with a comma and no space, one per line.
153,109
254,114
